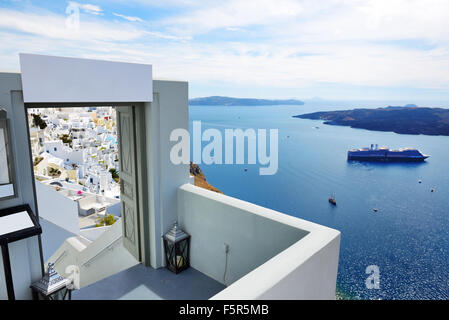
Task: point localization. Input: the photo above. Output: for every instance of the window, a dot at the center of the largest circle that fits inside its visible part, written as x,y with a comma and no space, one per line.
6,159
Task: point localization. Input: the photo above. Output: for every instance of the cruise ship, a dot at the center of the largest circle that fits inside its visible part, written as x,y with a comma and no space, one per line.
374,153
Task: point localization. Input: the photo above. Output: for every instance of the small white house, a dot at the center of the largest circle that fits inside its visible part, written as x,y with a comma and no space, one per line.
67,154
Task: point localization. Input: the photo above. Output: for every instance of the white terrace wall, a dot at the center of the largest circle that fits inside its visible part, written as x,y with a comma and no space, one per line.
305,271
271,255
168,111
214,220
57,208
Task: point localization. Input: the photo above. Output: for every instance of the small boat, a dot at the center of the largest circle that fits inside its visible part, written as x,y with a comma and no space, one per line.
246,169
432,190
375,209
419,181
332,200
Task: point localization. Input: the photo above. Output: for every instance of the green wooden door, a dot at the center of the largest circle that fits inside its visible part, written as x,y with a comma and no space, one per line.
126,131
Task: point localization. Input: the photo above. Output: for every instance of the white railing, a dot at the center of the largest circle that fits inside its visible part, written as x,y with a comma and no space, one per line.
109,247
95,260
60,257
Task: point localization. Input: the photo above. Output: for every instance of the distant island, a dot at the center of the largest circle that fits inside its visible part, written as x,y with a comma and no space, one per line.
409,119
228,101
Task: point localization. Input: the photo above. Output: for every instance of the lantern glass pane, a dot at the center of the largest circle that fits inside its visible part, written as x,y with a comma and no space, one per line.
170,252
179,258
58,295
181,254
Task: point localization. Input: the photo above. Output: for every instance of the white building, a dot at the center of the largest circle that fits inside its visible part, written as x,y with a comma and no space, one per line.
67,154
244,250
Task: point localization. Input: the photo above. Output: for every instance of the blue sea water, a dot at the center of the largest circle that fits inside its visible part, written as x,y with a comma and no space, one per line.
408,238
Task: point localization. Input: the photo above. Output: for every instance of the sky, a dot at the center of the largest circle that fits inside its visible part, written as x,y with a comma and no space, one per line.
332,49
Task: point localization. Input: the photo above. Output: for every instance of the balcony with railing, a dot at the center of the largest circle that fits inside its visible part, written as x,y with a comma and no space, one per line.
238,251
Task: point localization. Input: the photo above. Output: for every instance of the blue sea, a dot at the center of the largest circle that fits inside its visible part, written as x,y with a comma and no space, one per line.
408,238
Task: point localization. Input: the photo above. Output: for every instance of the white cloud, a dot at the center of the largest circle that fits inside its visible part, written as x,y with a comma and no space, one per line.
53,26
235,13
90,8
132,19
295,44
234,29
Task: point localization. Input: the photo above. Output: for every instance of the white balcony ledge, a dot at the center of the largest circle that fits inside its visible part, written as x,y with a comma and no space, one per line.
271,255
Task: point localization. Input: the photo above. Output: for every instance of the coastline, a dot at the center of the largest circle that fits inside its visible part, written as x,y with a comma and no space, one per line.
400,120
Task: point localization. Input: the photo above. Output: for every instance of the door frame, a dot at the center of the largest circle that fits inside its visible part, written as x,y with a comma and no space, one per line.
140,155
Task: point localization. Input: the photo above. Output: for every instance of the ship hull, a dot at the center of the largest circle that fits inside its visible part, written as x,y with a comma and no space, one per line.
386,155
386,159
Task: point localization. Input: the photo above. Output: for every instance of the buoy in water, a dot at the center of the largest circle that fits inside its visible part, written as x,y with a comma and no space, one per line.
375,209
419,181
432,190
246,169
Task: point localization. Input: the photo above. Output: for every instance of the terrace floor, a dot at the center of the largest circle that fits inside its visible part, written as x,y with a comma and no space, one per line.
146,283
138,282
88,221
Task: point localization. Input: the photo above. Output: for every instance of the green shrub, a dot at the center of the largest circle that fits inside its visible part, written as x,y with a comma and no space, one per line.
109,219
38,122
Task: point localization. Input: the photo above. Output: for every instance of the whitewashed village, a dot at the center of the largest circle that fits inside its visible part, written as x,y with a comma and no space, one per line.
75,159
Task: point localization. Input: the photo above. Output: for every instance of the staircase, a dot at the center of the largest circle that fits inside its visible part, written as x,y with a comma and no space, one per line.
88,261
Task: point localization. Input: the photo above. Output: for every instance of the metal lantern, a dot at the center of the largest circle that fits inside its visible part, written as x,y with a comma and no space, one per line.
52,286
177,246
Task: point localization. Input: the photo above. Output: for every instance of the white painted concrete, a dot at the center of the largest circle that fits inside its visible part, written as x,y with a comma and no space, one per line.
95,260
57,208
213,220
168,111
115,210
271,255
59,79
93,233
305,271
25,254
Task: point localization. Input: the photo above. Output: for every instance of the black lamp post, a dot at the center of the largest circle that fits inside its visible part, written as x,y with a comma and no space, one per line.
52,286
177,247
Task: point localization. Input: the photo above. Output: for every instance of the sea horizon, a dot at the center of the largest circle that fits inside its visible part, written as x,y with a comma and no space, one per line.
405,238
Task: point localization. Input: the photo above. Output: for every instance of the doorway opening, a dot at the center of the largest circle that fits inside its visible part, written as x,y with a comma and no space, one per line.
86,186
